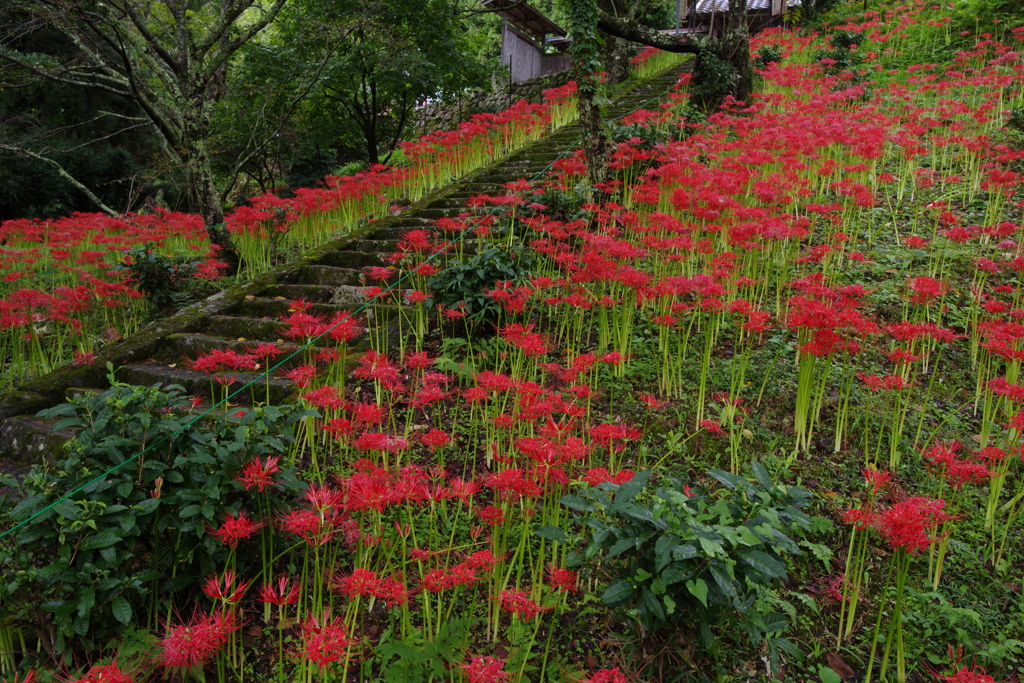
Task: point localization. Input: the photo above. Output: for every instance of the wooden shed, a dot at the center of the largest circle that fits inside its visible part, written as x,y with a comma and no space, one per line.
531,44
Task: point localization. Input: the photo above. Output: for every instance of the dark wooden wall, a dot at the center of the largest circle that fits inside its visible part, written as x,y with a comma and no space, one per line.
525,59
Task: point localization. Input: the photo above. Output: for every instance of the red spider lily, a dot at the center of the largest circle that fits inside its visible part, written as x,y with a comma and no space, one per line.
491,515
482,560
605,676
463,490
223,588
392,591
324,397
957,472
965,675
876,478
652,401
235,529
601,475
376,366
281,593
190,645
435,438
302,375
106,673
479,669
323,498
344,326
907,524
518,602
259,474
561,579
325,640
359,583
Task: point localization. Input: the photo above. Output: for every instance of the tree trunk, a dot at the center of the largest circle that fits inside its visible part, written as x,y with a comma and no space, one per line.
736,48
596,147
616,58
199,183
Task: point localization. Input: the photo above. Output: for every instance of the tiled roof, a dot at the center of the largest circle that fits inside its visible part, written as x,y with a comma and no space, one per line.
709,6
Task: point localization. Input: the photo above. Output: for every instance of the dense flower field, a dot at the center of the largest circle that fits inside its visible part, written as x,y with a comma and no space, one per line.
63,294
816,293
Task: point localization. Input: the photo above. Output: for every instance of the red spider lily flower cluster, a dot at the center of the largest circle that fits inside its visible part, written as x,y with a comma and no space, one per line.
326,640
191,644
481,669
907,525
106,673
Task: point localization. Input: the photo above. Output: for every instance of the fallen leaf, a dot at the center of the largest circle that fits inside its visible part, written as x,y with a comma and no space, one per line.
249,296
280,298
173,365
254,631
836,663
241,339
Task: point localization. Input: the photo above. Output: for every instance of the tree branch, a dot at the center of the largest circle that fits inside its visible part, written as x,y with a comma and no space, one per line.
636,32
63,174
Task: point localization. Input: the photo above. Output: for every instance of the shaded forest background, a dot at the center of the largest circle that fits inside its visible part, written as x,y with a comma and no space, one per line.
328,87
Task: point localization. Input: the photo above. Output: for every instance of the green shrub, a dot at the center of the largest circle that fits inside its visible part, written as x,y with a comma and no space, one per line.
467,282
89,566
692,556
162,279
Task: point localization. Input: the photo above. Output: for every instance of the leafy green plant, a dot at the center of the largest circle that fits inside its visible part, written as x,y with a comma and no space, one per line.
162,279
704,554
713,79
1015,120
87,567
466,283
768,54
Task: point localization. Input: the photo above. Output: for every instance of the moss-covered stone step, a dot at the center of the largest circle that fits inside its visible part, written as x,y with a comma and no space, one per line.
28,440
201,385
181,349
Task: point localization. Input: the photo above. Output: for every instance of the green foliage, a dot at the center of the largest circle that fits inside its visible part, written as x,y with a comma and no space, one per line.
768,54
93,564
162,279
1015,120
706,555
420,660
466,282
713,79
649,136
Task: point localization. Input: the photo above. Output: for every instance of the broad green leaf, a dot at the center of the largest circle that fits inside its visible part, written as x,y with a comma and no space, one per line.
761,474
553,533
618,592
663,550
763,562
121,609
622,546
827,675
628,491
699,590
101,540
576,503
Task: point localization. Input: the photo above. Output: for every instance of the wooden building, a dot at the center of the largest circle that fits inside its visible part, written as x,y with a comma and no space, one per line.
531,44
708,16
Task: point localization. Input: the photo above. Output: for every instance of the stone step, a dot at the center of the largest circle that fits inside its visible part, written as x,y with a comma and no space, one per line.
327,275
201,385
29,440
267,329
181,349
349,259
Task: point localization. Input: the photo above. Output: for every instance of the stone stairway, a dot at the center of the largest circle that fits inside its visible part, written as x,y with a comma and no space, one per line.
329,277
